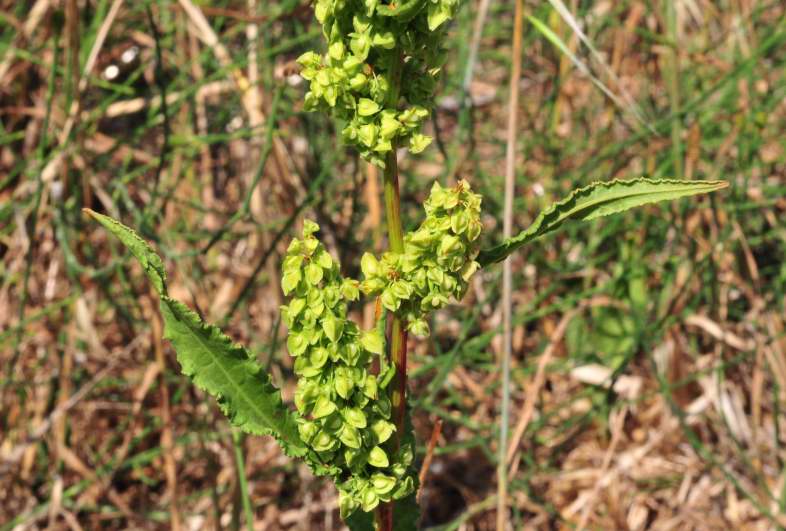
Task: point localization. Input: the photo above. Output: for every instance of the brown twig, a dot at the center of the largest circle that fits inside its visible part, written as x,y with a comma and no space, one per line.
42,429
34,17
432,444
617,431
532,392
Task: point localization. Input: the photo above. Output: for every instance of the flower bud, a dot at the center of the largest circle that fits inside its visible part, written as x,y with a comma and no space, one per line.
419,142
360,45
419,327
336,50
367,134
358,82
369,265
389,126
449,244
378,458
367,107
384,40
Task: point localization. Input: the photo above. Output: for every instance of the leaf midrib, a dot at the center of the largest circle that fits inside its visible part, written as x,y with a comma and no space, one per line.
242,391
538,229
693,190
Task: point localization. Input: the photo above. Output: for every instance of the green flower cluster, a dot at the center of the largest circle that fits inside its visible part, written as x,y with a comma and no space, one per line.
437,262
345,411
372,46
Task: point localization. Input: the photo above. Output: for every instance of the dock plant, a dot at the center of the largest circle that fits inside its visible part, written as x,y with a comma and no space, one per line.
349,420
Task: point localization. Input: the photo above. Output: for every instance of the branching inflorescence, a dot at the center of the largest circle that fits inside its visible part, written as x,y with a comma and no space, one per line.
378,78
372,47
344,406
438,259
345,409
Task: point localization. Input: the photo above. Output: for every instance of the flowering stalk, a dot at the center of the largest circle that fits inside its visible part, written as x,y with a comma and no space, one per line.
350,419
371,46
398,333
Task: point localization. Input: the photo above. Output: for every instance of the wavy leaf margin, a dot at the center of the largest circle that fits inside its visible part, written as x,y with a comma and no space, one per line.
213,361
597,200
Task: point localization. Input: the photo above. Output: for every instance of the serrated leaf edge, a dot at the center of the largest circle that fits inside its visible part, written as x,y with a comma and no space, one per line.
539,227
172,309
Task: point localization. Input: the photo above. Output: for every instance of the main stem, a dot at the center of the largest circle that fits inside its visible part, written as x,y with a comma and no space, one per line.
398,328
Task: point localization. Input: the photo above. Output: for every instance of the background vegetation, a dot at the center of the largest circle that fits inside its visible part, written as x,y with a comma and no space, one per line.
650,355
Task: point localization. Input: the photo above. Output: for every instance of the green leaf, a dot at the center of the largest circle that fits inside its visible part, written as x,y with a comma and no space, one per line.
355,417
343,382
369,500
332,326
597,200
382,484
349,289
215,364
404,11
370,388
389,300
296,344
437,15
290,281
350,436
418,142
369,265
226,371
309,228
318,357
324,260
296,306
145,255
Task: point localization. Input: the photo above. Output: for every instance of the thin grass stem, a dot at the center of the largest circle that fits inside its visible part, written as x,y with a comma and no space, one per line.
672,75
507,277
237,442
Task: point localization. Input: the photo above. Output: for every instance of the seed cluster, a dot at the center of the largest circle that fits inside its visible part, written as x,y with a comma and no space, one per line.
345,411
374,45
437,262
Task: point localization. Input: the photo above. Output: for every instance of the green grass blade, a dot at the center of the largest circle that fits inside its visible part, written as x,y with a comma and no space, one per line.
240,465
626,102
210,358
584,68
597,200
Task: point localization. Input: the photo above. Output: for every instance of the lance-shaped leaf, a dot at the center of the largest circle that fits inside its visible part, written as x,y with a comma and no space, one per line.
597,200
215,364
